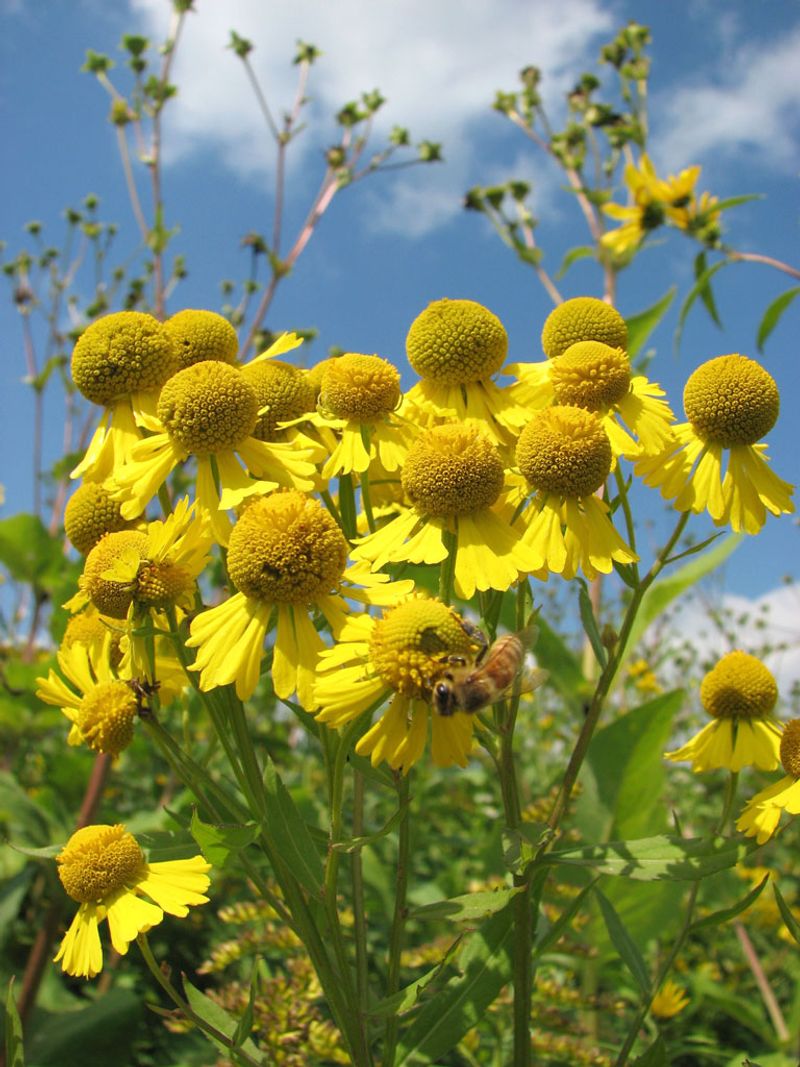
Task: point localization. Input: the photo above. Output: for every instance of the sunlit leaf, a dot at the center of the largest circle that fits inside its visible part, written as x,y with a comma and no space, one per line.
623,943
641,326
773,314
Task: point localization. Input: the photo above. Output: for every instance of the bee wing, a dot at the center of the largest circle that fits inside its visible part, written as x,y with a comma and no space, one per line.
530,678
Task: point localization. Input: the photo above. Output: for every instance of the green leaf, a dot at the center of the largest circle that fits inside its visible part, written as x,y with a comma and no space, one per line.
735,201
564,667
706,293
95,1034
717,918
215,1016
245,1024
640,326
24,817
355,844
772,315
623,943
521,845
659,858
485,961
699,287
548,937
289,833
789,920
573,255
467,908
590,623
405,999
221,844
655,1056
28,551
15,1056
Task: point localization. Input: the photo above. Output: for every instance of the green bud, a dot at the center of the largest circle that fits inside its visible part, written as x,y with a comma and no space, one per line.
306,53
373,101
429,152
505,102
34,227
96,63
350,114
399,136
120,114
519,189
240,45
473,199
335,157
256,242
495,195
134,44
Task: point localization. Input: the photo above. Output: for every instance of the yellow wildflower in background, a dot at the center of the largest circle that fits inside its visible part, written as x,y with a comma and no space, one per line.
740,694
654,201
669,1001
762,814
104,869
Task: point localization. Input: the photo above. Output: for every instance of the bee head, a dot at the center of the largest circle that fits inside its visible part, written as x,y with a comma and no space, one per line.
444,698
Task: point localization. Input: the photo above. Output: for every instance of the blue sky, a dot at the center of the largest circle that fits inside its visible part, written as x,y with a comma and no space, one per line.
724,93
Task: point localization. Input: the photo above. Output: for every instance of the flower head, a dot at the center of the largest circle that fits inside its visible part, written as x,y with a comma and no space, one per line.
669,1001
762,814
90,513
739,693
120,354
199,335
104,869
284,393
654,201
583,318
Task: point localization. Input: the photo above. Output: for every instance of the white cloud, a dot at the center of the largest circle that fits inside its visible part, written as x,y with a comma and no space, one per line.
438,64
748,102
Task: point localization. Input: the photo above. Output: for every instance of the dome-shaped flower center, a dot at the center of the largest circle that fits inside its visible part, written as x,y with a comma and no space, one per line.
314,374
790,748
109,597
359,387
106,717
99,860
200,335
283,392
584,318
161,584
286,548
564,451
122,354
87,628
90,513
591,375
452,470
411,641
454,342
739,686
731,400
208,407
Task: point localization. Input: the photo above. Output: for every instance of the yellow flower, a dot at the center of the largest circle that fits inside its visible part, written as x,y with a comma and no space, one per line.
200,335
105,871
90,513
762,814
740,694
397,656
453,475
654,200
731,402
583,318
287,556
669,1000
597,377
565,456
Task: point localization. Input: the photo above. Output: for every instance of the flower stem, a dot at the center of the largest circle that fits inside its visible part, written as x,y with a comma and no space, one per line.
400,913
359,911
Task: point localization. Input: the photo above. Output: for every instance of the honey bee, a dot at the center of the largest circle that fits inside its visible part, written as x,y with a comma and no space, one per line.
469,687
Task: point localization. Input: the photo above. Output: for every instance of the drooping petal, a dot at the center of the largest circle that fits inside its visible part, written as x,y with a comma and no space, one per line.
81,953
129,916
177,885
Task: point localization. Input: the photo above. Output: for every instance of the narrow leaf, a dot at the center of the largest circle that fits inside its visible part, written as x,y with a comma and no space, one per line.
574,254
15,1056
355,844
555,656
468,907
735,201
623,943
717,918
245,1024
216,1017
641,326
772,315
553,934
405,999
289,833
790,922
590,623
655,1056
659,858
699,286
706,294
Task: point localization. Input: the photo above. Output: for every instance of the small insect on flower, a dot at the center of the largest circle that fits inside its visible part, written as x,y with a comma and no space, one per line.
496,670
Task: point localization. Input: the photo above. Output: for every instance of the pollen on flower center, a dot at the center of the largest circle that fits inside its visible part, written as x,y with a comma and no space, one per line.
455,342
110,597
565,451
283,392
121,354
97,861
160,584
208,407
90,513
584,318
790,748
106,717
411,641
452,470
359,387
592,375
739,686
731,400
286,548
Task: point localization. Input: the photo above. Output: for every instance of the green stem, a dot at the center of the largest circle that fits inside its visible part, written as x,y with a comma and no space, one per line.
397,935
448,566
359,910
347,505
630,526
366,500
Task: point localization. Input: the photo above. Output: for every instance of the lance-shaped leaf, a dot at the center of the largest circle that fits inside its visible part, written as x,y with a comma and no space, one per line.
642,325
470,907
624,943
773,314
287,831
13,1030
791,922
659,858
717,918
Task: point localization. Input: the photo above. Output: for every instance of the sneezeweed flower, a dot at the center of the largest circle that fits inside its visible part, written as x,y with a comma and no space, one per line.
209,410
284,393
91,629
104,869
90,513
654,201
119,362
669,1001
731,402
565,456
762,814
287,557
397,658
739,693
583,318
455,346
453,476
599,378
198,335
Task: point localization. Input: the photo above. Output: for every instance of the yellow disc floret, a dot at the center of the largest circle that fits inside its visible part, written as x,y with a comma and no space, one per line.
739,686
161,584
106,717
109,597
790,748
584,318
87,628
200,335
359,387
208,407
97,861
731,400
283,392
455,342
592,375
90,513
452,470
314,374
286,548
564,451
122,354
412,640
